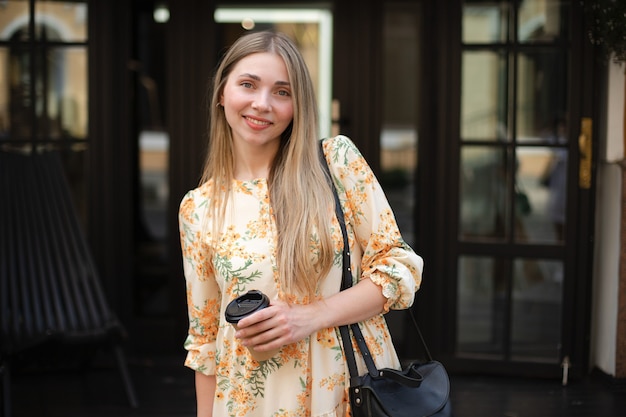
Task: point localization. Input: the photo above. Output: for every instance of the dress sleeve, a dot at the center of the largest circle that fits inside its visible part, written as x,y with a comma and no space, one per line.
387,259
203,294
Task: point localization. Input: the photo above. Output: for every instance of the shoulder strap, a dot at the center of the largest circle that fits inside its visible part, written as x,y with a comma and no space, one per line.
347,283
347,274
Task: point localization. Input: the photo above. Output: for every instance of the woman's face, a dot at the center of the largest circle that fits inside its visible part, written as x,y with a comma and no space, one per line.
257,100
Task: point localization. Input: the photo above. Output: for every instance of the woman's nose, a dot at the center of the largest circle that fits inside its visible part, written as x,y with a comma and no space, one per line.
262,102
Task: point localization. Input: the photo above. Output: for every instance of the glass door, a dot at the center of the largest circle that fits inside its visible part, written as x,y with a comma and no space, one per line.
399,138
152,298
399,135
517,183
43,84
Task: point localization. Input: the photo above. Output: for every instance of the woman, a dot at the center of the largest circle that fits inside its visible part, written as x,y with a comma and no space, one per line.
263,218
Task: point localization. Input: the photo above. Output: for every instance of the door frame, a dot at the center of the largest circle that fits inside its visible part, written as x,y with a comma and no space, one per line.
578,253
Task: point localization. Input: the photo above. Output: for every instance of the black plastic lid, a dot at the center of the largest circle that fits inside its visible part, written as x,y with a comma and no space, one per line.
245,304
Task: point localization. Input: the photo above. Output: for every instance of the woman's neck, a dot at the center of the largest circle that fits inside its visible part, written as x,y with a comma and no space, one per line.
253,164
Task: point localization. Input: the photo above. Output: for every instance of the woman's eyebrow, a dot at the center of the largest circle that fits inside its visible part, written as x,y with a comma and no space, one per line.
248,75
257,78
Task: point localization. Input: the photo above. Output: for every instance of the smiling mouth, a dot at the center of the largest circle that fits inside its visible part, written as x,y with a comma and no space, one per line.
257,122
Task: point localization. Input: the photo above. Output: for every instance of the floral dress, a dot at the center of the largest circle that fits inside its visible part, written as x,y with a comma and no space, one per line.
307,378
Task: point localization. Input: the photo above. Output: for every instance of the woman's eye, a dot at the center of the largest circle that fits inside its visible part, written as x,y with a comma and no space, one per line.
284,93
246,84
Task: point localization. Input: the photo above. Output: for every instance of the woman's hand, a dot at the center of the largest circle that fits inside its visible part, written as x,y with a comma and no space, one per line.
278,325
281,323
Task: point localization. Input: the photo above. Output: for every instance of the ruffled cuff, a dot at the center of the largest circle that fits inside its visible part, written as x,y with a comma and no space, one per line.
200,358
398,297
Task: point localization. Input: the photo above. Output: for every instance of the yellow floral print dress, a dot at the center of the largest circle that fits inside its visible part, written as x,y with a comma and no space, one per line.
307,378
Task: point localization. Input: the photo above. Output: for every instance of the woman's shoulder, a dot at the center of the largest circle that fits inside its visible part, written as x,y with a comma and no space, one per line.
201,191
341,147
338,142
195,197
346,161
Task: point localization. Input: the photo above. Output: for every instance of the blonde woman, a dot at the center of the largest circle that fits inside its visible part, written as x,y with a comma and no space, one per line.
263,218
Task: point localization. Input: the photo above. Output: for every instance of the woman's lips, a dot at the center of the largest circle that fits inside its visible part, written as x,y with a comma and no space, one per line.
257,123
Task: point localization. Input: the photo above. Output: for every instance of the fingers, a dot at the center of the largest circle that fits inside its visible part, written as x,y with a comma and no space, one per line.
262,336
268,340
271,328
259,316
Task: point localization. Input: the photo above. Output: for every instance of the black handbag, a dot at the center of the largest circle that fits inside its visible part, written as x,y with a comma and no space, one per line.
419,390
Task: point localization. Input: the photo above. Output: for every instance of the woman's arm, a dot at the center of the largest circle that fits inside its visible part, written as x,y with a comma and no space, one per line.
205,392
355,304
387,260
203,302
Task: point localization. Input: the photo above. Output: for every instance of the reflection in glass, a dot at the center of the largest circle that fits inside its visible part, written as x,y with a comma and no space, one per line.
62,108
15,96
152,280
541,95
14,17
398,141
53,104
542,20
61,21
481,306
19,97
542,172
54,20
485,22
484,96
483,193
154,170
536,310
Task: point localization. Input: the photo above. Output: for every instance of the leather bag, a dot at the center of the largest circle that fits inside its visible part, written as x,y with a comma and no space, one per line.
420,389
383,396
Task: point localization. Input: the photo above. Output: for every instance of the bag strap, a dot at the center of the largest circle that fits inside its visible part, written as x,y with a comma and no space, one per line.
347,283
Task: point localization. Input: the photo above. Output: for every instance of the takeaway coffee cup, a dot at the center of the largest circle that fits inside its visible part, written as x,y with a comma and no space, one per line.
243,306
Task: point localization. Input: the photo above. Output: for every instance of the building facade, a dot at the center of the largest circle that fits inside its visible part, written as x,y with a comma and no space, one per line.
495,128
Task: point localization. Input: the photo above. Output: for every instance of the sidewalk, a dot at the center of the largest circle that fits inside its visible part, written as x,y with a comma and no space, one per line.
165,388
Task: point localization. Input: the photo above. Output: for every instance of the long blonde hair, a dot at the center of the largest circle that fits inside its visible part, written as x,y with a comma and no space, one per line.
300,195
